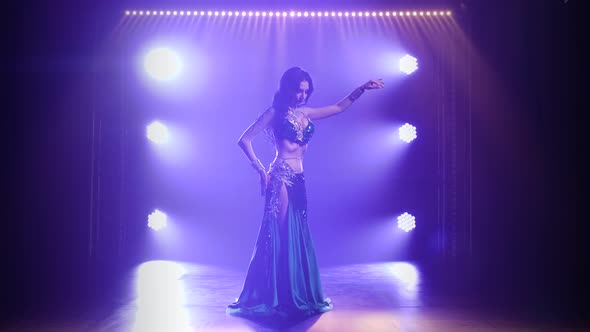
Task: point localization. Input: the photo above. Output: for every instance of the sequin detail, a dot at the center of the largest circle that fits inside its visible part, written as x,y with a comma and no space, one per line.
280,173
292,118
292,129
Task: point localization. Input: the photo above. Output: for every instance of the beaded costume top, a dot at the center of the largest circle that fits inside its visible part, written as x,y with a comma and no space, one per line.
292,129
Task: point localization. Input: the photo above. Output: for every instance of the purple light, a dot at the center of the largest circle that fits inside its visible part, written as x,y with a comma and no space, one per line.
157,132
407,133
408,64
406,222
157,220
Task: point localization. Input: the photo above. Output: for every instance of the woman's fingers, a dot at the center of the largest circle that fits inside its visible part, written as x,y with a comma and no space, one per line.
375,84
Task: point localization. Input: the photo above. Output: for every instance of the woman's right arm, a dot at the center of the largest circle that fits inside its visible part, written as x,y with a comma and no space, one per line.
245,143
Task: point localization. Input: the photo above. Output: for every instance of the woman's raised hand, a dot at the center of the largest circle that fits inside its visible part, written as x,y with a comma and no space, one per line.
373,84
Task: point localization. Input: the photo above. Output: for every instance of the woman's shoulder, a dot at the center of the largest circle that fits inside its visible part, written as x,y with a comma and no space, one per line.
302,110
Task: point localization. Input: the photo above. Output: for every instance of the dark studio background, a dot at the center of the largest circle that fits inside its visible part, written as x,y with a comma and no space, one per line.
528,147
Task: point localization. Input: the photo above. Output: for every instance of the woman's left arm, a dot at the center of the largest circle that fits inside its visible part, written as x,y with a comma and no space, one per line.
327,111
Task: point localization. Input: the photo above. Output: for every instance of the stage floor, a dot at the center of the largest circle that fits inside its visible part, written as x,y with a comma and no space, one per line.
180,296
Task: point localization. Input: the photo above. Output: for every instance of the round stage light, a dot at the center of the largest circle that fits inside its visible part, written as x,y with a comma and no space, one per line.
163,64
157,220
408,64
407,133
406,222
157,132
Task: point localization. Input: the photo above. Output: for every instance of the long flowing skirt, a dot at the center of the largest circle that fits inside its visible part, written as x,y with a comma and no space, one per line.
283,278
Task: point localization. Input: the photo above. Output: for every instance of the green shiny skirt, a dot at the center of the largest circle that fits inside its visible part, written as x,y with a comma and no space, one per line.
283,278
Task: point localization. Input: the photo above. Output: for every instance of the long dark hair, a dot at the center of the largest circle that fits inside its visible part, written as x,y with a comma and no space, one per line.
286,97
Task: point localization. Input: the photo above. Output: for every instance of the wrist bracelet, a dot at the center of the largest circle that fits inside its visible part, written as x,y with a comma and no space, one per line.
354,95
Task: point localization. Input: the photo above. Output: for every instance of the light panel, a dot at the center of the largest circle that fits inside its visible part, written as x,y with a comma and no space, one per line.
291,13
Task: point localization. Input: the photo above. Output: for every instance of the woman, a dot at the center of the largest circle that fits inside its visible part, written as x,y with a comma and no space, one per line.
283,277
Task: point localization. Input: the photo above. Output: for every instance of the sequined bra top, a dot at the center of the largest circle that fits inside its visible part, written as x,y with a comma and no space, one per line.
290,128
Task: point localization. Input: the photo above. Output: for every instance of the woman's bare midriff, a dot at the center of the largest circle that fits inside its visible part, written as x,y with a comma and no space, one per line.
292,153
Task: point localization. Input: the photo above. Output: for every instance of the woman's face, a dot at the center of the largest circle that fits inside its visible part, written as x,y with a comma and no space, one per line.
302,93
